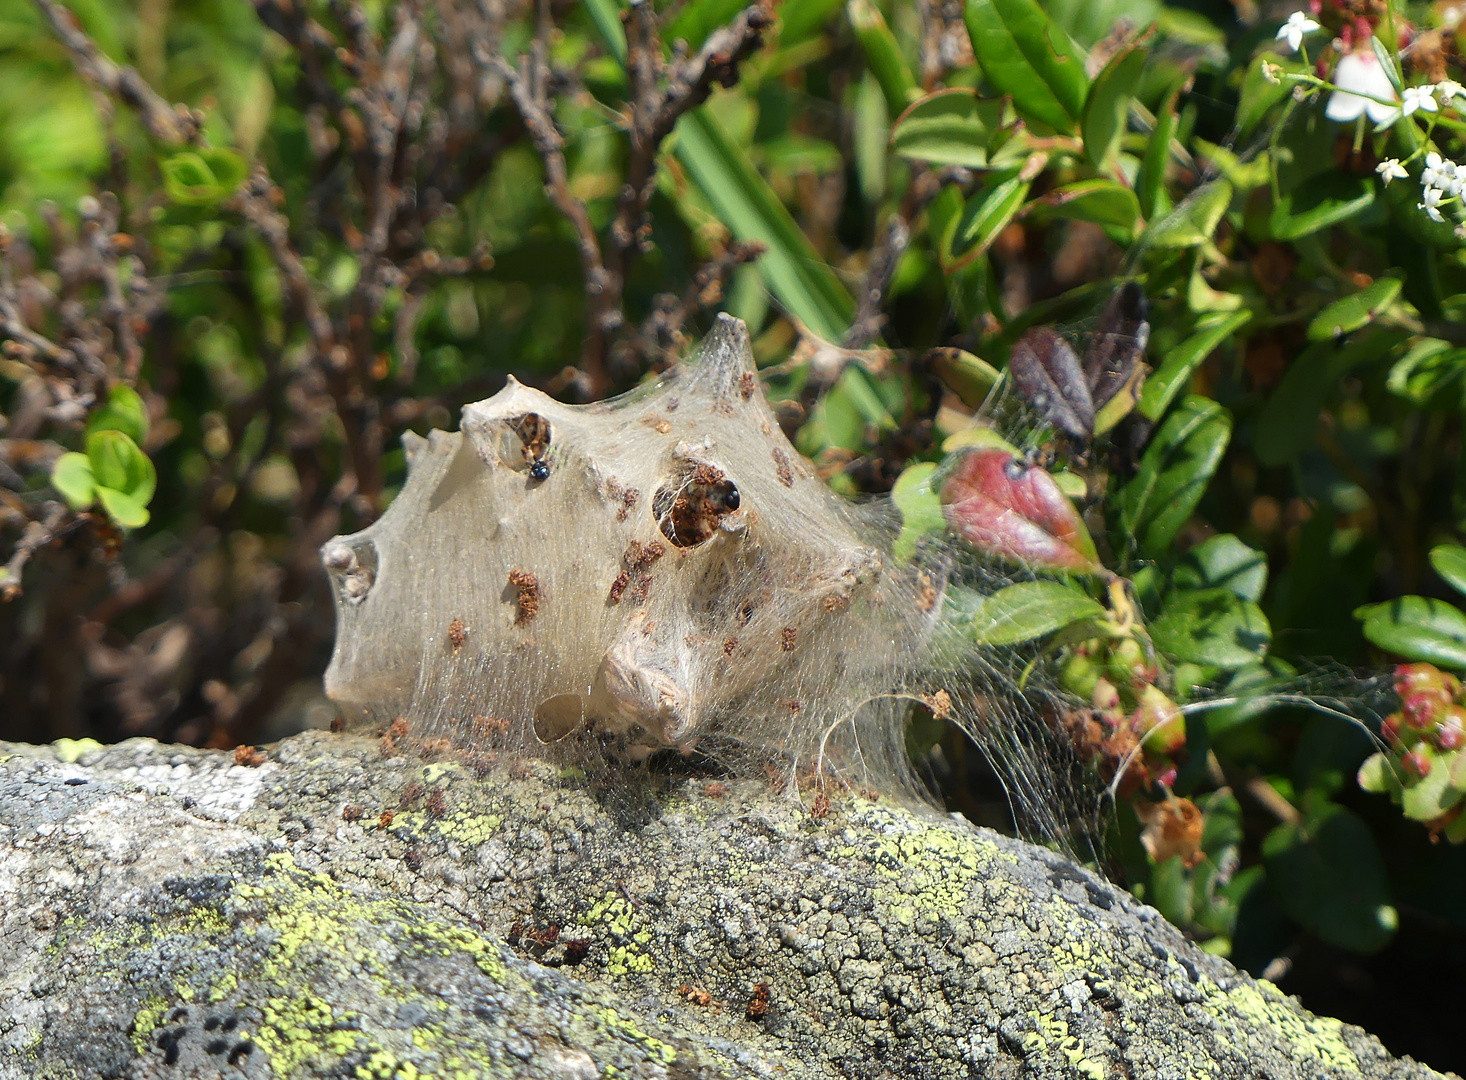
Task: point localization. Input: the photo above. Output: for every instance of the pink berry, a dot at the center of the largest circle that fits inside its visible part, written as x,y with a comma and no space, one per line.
1415,764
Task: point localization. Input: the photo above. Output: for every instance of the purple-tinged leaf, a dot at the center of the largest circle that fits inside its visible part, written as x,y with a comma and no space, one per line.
1047,373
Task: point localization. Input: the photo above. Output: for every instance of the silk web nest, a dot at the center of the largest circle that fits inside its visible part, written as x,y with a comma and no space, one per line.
663,571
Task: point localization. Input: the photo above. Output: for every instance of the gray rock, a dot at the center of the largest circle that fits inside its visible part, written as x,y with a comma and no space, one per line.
166,912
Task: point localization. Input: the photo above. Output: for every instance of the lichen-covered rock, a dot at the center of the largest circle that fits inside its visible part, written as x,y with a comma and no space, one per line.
334,912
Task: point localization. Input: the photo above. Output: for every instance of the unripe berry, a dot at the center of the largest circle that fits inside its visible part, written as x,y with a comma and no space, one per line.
1390,727
1159,722
1415,763
1410,678
1104,696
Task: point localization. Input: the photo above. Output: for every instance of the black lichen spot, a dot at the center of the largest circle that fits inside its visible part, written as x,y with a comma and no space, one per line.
216,1046
240,1052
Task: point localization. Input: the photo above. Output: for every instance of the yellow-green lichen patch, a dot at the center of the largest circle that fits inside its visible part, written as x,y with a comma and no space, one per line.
1264,1005
71,750
934,866
616,1023
461,826
628,934
1052,1031
145,1022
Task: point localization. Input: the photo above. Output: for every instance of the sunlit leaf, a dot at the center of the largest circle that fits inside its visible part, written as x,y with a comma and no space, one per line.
950,127
1449,561
1107,108
1212,626
72,477
1178,365
1029,610
1024,53
1417,628
124,411
1004,509
1355,311
1173,474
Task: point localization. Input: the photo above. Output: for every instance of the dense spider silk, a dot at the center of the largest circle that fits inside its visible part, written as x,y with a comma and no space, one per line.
674,577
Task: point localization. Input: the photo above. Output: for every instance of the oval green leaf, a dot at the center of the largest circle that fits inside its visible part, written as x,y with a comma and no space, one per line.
1107,109
1024,53
920,506
1356,311
122,508
1212,626
117,463
72,477
1182,361
1173,474
1224,562
950,127
1319,202
124,412
987,213
1194,221
1417,628
1449,561
1103,202
1029,610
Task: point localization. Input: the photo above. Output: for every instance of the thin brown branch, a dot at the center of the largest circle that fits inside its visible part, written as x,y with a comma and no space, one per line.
37,535
164,122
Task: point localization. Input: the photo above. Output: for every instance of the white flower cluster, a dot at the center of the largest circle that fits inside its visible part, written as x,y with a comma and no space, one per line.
1442,179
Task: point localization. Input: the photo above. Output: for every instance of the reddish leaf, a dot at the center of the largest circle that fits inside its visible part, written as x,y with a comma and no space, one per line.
1004,508
1047,373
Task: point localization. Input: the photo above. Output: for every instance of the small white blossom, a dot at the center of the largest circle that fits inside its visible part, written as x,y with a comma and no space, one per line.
1293,30
1447,89
1361,80
1419,97
1270,73
1432,200
1391,169
1435,170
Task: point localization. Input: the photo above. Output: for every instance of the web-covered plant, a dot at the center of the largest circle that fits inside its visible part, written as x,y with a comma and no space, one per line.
662,571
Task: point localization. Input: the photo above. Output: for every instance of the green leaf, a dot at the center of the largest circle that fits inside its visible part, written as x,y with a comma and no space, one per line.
1319,202
1101,201
1355,311
1024,53
1107,108
950,127
1212,626
1287,422
920,506
1449,561
1379,775
1181,362
1029,610
987,214
793,270
1173,474
1224,562
1194,221
1259,94
126,510
72,477
1429,369
230,167
1417,628
124,412
882,54
606,14
118,464
1327,874
1149,184
970,377
1431,795
189,181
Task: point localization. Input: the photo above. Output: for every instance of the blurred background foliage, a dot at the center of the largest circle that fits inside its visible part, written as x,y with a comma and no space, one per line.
362,215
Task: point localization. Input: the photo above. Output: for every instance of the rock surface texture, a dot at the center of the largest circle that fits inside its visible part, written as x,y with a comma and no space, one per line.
337,912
